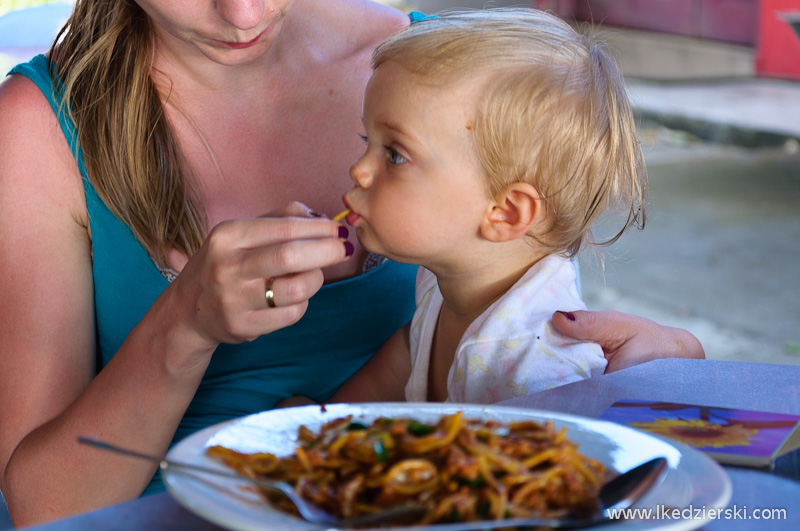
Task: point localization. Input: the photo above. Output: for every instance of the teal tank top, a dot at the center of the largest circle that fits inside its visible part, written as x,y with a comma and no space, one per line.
345,323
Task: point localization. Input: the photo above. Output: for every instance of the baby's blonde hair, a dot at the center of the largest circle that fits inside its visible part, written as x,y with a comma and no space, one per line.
553,112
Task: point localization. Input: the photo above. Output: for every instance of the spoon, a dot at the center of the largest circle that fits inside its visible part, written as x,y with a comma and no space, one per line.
619,493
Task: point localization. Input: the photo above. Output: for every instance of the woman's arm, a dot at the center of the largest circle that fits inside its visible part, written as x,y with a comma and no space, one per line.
49,394
628,340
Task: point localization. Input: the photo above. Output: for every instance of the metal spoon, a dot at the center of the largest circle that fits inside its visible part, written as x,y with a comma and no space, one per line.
619,493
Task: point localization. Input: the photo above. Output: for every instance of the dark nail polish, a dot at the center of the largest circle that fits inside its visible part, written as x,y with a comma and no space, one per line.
343,232
349,249
317,214
568,315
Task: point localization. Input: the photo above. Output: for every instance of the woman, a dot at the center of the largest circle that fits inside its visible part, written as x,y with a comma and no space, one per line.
193,119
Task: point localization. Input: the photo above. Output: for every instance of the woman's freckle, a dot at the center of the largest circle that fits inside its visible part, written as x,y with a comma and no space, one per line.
330,92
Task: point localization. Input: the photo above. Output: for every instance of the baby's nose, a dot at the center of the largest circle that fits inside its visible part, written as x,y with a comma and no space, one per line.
361,173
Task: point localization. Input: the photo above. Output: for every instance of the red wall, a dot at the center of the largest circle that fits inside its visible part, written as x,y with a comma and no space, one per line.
759,24
733,21
778,47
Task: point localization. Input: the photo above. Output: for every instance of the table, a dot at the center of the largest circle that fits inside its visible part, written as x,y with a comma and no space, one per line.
758,386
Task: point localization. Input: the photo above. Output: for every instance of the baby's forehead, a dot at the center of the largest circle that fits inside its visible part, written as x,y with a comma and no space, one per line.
411,97
446,88
459,79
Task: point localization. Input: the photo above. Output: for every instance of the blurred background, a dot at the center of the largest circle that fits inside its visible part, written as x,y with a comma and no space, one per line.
28,27
715,85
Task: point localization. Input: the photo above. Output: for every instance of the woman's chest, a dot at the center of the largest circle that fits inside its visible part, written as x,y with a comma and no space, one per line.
290,140
248,167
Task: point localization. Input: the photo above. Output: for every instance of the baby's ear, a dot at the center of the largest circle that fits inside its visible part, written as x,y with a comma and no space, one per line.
512,213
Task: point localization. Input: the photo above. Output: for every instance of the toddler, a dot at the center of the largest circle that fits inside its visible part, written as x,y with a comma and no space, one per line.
494,140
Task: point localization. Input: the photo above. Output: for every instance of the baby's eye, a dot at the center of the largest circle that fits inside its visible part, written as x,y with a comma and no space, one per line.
395,157
363,138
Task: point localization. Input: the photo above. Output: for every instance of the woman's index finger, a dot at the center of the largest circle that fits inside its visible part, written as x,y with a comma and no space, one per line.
259,232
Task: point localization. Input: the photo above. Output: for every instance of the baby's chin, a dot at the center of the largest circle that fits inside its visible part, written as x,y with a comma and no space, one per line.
380,250
372,244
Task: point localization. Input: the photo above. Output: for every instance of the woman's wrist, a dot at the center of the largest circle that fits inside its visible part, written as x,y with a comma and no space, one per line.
172,337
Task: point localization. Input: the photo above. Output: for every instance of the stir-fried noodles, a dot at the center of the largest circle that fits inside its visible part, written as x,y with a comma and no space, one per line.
461,470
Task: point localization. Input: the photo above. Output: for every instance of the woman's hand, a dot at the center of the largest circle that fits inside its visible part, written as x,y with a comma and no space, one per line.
628,340
226,280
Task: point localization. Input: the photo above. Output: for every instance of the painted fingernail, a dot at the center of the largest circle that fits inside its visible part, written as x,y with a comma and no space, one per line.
343,232
349,249
568,315
317,214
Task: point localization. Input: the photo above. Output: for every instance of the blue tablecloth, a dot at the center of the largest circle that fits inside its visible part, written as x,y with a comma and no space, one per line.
754,386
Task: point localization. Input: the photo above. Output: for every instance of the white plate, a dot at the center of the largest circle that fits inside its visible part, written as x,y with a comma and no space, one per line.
693,480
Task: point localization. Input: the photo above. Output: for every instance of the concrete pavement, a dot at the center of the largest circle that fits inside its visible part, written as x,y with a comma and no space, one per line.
719,253
751,112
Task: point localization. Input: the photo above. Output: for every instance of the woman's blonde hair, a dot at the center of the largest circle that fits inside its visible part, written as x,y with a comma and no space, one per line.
553,112
103,56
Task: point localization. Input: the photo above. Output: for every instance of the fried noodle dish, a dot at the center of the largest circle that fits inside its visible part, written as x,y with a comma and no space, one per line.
459,469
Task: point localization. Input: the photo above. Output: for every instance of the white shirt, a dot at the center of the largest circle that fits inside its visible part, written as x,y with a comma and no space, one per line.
511,349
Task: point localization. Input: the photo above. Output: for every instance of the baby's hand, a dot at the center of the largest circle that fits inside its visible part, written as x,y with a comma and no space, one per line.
295,401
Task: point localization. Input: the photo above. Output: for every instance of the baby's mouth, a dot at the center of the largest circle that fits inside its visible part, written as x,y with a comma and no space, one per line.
348,215
351,218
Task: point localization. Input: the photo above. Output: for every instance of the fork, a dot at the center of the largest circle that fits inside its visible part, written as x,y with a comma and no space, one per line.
308,511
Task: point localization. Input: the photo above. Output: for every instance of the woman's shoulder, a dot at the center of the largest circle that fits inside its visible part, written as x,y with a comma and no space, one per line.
367,19
22,101
351,26
28,119
36,154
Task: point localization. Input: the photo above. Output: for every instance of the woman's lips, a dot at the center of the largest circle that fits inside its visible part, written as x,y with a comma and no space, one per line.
243,45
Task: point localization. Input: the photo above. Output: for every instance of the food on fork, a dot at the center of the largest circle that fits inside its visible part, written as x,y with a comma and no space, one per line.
459,469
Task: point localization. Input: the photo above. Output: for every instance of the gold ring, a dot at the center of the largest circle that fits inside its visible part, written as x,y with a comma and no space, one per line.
270,294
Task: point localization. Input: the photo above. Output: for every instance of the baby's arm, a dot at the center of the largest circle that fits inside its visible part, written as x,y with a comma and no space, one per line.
383,378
